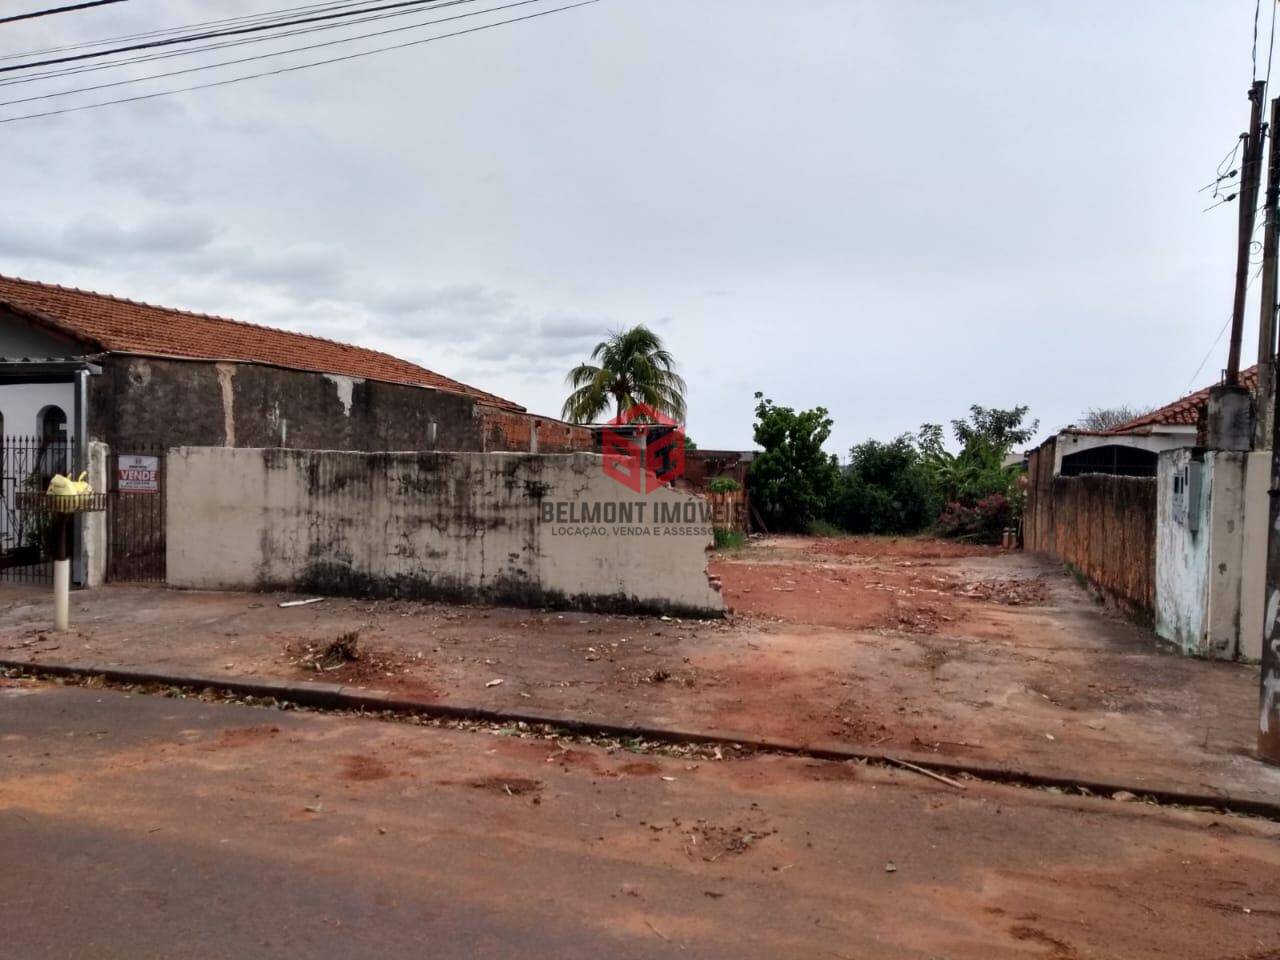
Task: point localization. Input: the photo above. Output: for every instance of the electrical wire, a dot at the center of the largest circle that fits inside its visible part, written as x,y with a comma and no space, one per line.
275,53
246,18
52,10
1215,206
296,67
240,42
1271,44
1213,346
170,41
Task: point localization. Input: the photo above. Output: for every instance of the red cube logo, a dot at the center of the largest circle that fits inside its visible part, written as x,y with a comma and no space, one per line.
643,449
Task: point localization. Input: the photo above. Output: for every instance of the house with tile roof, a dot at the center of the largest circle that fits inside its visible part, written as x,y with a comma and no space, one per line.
134,374
1133,448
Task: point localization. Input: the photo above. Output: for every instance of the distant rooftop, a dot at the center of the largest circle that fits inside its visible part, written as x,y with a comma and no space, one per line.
1183,412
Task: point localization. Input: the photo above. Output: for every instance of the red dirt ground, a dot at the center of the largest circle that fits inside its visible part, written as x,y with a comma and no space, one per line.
155,819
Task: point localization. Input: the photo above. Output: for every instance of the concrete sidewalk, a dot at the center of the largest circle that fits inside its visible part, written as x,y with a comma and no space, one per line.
1054,690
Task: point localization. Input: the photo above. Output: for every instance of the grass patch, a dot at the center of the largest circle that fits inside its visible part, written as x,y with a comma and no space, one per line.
821,528
729,539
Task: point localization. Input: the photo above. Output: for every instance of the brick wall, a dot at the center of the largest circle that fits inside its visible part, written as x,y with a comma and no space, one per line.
514,432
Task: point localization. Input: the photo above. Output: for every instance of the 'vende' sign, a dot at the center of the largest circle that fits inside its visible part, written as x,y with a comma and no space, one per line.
136,474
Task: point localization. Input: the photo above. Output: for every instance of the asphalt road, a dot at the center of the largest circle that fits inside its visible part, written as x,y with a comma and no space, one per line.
138,826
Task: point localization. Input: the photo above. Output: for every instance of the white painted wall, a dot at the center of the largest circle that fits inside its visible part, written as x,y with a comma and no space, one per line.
1168,438
429,524
21,404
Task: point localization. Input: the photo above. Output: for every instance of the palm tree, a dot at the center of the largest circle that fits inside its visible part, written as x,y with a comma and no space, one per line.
630,367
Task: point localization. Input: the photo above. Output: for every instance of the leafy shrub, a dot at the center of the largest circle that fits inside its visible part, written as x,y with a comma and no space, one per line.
885,489
724,485
982,521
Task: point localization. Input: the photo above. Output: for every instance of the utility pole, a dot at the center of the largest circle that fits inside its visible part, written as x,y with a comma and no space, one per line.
1269,702
1268,430
1262,425
1228,423
1250,171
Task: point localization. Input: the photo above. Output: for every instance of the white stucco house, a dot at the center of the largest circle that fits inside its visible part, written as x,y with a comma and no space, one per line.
1133,449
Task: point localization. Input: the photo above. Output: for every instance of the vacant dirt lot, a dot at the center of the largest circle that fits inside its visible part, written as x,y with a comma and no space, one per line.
915,647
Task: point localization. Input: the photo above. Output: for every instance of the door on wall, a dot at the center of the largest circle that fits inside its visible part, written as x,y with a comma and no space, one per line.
135,514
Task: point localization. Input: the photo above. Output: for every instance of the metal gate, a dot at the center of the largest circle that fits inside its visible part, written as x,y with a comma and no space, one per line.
136,480
26,536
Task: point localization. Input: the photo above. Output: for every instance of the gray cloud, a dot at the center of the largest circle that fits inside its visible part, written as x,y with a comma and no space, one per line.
740,183
172,234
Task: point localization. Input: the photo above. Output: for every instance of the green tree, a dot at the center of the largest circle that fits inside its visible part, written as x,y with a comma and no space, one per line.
792,479
1002,430
980,494
885,489
630,367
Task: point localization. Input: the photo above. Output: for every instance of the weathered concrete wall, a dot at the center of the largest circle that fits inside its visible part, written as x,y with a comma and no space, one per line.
1225,471
506,528
145,401
93,526
1199,551
1182,554
1253,581
1103,526
141,400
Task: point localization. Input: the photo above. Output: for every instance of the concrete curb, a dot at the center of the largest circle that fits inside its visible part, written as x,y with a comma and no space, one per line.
333,696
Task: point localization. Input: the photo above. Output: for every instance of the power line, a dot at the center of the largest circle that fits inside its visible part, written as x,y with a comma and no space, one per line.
170,41
239,42
1271,44
296,67
274,53
51,11
246,18
1213,346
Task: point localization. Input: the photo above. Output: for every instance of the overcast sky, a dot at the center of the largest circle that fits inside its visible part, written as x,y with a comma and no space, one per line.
892,209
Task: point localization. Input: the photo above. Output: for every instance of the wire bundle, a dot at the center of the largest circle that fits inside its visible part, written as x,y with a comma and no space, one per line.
33,72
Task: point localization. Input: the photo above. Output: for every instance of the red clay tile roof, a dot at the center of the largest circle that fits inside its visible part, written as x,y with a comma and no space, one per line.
1184,412
115,325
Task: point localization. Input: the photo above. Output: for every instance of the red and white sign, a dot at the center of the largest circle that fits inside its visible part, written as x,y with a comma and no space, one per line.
136,474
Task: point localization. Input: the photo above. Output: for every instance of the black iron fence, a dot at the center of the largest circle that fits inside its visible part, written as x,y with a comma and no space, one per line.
27,534
136,481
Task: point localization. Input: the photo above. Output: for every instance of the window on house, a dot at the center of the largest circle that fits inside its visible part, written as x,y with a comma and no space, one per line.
1114,459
